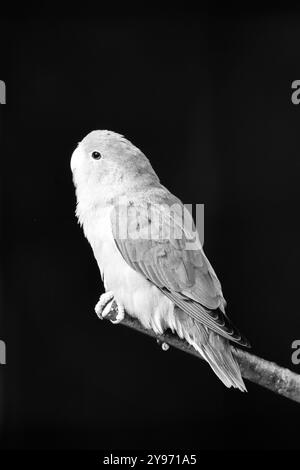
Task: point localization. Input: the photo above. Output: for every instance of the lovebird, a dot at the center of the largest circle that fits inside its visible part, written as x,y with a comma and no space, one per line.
151,260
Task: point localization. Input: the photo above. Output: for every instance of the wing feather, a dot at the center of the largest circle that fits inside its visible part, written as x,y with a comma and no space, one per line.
184,275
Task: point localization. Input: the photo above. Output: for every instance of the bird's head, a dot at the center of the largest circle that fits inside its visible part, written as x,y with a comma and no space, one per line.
106,161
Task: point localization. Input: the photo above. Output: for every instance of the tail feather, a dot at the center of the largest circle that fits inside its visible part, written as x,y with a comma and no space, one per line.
215,349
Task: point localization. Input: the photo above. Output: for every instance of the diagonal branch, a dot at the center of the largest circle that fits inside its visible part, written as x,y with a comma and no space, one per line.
265,373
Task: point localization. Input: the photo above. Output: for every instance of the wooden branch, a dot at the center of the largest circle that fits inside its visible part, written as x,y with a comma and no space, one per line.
265,373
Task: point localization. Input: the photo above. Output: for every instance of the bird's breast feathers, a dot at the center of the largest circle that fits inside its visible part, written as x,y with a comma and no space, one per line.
140,298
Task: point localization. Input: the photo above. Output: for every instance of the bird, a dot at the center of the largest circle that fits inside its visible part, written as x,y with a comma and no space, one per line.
151,261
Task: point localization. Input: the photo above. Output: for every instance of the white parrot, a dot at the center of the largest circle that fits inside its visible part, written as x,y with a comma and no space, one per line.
151,272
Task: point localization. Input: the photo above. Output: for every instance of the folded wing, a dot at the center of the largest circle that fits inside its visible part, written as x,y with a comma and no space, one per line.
155,241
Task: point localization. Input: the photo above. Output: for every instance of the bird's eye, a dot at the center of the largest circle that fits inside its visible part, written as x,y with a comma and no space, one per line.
96,155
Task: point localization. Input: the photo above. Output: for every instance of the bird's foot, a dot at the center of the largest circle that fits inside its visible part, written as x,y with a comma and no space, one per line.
102,307
108,307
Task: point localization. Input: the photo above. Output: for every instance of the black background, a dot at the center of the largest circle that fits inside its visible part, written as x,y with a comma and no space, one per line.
207,97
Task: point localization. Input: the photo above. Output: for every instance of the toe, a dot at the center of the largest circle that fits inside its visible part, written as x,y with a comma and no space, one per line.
107,309
103,302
